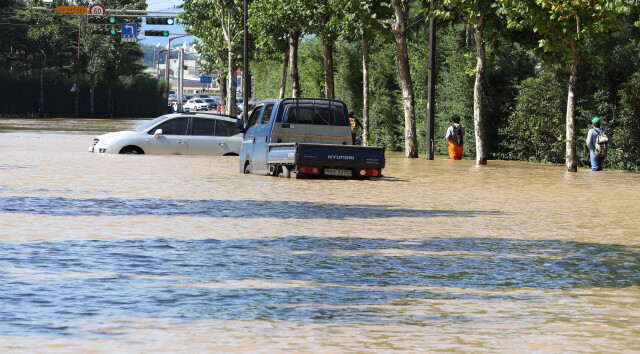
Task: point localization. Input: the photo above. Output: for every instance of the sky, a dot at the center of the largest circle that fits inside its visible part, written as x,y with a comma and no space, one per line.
163,5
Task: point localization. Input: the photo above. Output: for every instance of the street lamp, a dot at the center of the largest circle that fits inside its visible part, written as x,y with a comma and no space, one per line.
168,66
154,54
158,66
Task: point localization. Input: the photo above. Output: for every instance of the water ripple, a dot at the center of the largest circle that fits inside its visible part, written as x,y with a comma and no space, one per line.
306,279
61,206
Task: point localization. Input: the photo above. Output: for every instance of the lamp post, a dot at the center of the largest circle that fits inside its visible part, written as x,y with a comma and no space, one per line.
154,54
168,65
78,67
158,66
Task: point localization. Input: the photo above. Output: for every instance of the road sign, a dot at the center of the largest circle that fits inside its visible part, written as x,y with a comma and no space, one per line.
205,79
129,32
97,10
71,10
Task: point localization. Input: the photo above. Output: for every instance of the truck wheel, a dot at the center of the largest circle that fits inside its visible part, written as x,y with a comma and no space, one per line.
284,172
247,168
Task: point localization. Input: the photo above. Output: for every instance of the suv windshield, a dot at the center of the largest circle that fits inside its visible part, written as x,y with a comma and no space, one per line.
150,124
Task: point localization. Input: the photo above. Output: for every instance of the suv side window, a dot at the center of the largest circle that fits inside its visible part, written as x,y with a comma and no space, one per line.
203,126
253,119
177,126
224,128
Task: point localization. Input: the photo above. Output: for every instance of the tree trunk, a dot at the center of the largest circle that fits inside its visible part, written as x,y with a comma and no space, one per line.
570,150
223,92
329,91
285,68
232,110
294,35
92,87
398,28
481,56
365,91
109,100
44,61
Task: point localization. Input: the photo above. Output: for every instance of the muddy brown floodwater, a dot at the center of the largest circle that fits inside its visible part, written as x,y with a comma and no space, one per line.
184,254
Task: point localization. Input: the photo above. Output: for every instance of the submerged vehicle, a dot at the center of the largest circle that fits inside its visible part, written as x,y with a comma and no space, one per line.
175,134
305,137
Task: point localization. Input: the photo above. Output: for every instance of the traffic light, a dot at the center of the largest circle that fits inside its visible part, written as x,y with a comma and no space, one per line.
101,19
161,21
104,31
156,33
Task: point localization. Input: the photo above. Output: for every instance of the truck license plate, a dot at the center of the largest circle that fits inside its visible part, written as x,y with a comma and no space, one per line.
336,172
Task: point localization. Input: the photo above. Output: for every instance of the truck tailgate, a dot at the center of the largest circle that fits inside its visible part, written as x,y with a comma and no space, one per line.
340,156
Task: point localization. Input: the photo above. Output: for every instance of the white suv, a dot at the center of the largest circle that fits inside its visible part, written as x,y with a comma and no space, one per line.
196,104
175,134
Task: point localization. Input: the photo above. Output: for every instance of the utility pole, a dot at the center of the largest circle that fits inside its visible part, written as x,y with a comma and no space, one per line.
246,81
180,78
78,68
431,83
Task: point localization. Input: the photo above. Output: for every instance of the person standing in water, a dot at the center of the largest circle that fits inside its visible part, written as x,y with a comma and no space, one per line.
455,135
598,144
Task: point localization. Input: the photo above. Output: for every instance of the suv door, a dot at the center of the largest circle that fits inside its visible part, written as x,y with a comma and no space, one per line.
174,139
207,138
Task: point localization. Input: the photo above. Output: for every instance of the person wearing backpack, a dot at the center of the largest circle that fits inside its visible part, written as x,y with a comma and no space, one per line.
455,135
598,144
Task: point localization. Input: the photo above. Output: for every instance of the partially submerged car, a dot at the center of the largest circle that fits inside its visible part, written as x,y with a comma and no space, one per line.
175,134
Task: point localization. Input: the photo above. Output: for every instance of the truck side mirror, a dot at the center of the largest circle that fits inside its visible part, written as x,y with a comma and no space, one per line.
240,126
157,133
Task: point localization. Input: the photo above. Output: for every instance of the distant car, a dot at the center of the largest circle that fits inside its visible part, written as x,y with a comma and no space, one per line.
201,95
196,104
175,134
213,105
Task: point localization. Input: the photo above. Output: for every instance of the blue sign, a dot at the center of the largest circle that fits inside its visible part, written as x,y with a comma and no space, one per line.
129,32
205,79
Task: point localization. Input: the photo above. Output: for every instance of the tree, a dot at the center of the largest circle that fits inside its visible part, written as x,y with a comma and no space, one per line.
399,31
272,20
216,23
49,35
359,23
562,26
482,19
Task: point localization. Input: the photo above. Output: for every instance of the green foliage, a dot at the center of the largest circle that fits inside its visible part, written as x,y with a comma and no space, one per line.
310,67
387,115
535,129
454,88
267,76
625,151
135,96
348,77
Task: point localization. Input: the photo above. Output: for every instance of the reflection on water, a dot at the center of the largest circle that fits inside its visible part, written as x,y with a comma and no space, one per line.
154,253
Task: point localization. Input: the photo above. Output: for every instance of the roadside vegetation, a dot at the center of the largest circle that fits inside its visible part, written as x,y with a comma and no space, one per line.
526,76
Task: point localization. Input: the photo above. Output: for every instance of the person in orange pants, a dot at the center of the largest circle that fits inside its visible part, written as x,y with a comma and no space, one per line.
455,135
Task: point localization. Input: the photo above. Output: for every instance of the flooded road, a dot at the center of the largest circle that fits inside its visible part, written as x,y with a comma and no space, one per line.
181,254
